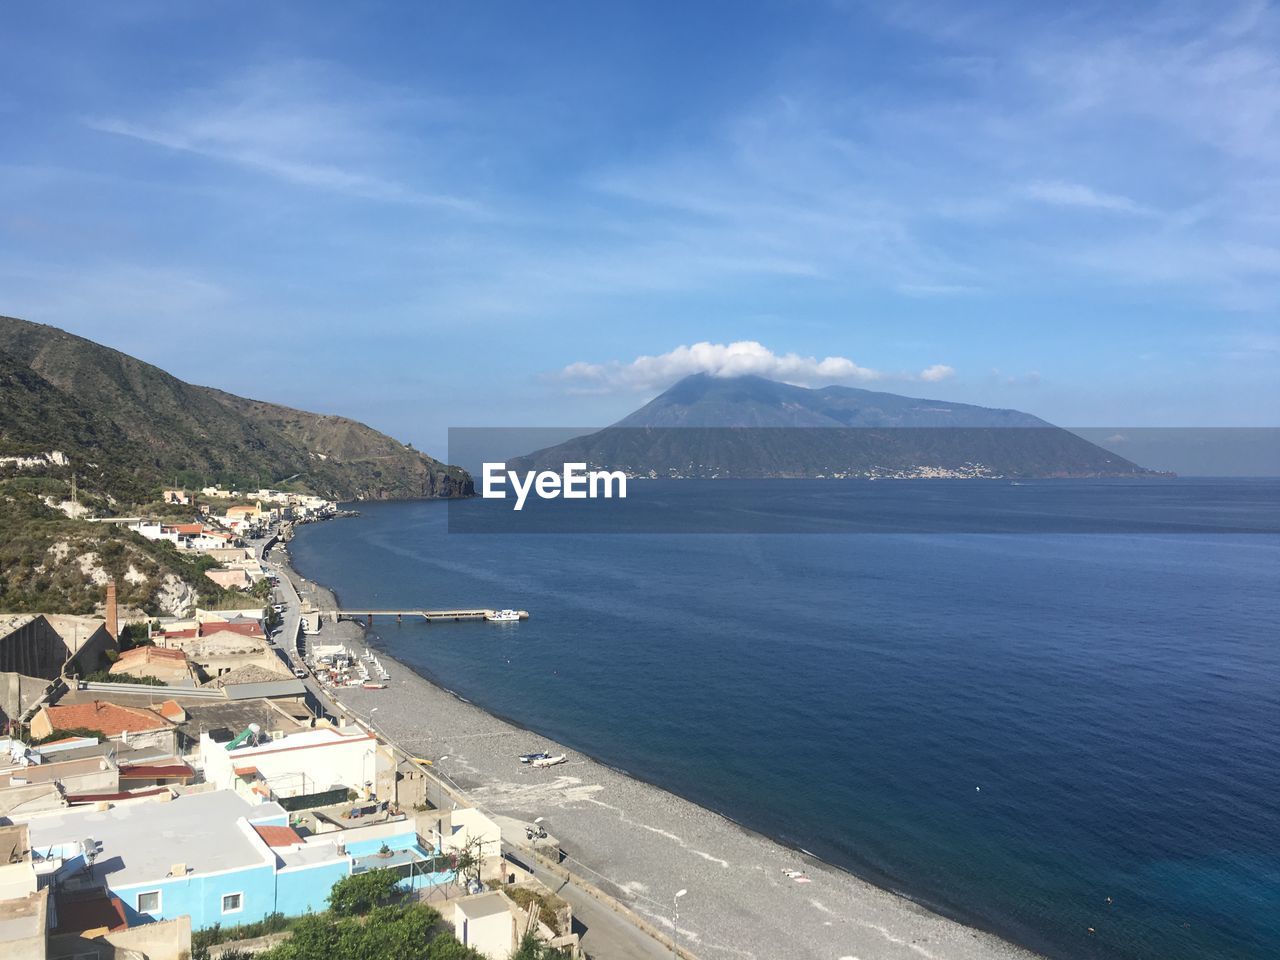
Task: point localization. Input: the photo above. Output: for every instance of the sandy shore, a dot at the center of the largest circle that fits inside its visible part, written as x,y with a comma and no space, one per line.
641,844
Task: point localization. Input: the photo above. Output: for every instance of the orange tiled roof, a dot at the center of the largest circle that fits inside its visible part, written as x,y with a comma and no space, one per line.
278,836
252,629
109,719
188,634
171,710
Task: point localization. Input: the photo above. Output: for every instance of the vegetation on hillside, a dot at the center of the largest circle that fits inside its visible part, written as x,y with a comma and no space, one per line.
133,429
52,564
88,431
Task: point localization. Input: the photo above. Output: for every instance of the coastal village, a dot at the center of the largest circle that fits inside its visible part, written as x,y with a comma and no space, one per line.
188,786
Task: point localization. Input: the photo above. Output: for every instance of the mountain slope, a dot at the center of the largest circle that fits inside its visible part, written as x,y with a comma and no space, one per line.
107,406
702,400
751,427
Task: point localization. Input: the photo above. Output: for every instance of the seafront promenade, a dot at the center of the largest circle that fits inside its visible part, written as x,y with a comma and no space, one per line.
748,897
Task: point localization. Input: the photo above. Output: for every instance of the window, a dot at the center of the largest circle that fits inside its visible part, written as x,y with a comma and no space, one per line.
232,902
149,902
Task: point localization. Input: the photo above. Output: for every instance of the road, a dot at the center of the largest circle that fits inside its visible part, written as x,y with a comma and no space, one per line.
605,934
291,626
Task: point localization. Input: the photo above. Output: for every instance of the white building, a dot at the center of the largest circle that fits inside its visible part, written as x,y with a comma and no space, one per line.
296,764
487,924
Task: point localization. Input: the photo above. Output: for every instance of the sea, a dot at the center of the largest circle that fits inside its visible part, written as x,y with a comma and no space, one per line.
1035,732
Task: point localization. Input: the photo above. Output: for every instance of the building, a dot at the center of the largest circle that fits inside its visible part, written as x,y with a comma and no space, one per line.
179,497
216,857
230,579
23,906
218,649
486,922
168,666
255,683
230,554
37,648
30,781
300,765
134,725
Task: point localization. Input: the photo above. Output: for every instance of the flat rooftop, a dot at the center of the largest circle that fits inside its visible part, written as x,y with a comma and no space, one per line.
23,918
483,905
235,716
142,700
319,737
142,840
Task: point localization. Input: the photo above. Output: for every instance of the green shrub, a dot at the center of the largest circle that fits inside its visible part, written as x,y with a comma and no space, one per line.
361,892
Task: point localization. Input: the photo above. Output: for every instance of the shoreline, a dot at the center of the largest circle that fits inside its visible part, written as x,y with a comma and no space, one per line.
635,839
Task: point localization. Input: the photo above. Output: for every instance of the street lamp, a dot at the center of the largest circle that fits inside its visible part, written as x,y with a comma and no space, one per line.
675,922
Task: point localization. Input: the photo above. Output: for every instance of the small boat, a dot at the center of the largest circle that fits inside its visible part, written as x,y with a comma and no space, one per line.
531,757
372,685
550,761
502,616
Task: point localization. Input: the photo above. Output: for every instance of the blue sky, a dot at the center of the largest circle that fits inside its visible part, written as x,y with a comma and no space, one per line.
462,214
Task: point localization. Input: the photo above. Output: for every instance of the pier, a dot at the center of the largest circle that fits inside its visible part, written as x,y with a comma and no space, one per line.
471,613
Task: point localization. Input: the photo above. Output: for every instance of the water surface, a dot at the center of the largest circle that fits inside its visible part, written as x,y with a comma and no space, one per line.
1010,728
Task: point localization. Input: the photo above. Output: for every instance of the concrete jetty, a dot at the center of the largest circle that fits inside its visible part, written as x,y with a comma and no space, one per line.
469,613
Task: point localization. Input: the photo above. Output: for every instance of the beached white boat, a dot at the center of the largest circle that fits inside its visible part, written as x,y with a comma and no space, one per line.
550,761
502,616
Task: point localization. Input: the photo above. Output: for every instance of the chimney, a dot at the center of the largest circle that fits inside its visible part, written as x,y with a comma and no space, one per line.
113,627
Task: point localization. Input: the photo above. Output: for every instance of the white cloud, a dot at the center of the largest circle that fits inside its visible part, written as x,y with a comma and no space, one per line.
741,358
1059,193
299,122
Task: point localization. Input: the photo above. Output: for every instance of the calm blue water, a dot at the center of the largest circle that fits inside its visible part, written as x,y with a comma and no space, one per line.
1116,698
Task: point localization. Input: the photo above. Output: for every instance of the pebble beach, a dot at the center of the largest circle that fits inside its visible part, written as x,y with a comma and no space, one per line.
748,896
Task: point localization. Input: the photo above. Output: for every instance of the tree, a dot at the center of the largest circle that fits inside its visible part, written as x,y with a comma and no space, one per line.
447,947
400,932
361,892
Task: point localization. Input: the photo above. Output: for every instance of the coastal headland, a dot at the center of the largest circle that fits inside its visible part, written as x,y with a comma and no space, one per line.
748,896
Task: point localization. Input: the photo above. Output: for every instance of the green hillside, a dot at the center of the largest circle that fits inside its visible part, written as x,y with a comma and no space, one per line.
131,429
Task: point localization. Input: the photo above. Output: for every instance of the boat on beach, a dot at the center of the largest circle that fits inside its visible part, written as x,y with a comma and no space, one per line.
373,685
550,761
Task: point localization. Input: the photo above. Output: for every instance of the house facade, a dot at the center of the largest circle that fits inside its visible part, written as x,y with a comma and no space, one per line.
216,857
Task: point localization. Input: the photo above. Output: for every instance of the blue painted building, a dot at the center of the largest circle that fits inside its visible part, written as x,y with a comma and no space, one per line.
216,857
